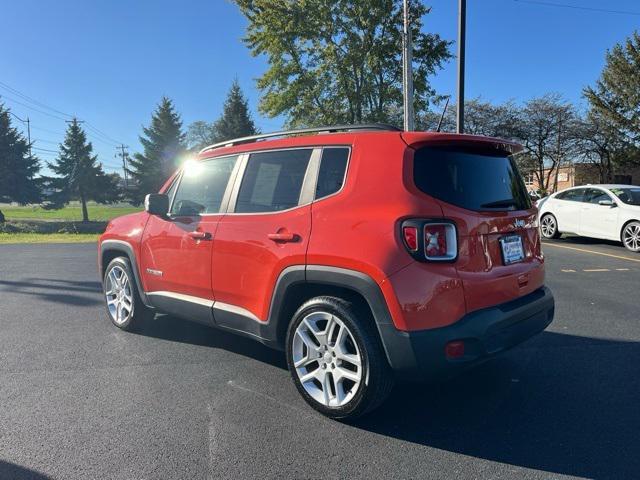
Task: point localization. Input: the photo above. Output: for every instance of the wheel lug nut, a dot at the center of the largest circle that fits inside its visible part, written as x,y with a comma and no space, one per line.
324,365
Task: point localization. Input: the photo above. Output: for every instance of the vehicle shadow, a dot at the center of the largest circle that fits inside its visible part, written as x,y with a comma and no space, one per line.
575,240
55,290
562,404
16,472
167,327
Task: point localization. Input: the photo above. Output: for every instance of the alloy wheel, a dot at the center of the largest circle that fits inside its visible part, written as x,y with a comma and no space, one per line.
548,226
327,360
631,237
119,295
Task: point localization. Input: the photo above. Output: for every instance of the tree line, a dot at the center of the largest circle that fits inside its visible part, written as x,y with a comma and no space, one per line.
78,174
339,62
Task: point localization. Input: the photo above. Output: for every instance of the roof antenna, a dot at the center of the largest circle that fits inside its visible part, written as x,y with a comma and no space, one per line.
443,112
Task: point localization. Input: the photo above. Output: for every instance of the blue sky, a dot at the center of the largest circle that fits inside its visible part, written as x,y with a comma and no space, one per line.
110,61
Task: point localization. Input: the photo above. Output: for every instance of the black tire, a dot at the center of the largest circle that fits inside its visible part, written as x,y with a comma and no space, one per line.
139,312
629,236
377,377
551,231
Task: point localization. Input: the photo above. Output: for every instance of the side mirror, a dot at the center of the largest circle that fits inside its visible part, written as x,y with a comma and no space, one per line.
607,203
157,204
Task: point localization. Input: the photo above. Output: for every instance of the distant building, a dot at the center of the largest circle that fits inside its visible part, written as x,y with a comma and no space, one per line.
578,174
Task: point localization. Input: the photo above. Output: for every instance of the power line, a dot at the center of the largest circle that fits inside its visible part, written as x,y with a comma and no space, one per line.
578,7
98,134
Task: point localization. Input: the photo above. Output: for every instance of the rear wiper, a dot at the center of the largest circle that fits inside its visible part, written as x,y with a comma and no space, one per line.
510,202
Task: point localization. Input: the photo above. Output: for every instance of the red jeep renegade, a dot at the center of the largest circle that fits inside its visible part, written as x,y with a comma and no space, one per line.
364,252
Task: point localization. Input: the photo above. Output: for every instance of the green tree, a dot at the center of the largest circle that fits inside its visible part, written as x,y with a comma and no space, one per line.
234,122
18,168
616,96
163,143
79,175
339,61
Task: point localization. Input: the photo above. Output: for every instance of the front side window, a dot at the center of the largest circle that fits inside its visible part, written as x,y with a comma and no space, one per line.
628,195
332,168
596,196
202,187
273,181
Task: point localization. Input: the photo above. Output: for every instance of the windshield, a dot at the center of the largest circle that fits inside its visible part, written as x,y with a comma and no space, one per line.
630,196
480,181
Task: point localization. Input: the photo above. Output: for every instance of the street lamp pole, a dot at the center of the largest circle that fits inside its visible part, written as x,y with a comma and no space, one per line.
407,70
462,27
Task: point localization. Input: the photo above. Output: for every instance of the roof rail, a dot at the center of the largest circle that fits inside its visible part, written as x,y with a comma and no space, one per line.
329,129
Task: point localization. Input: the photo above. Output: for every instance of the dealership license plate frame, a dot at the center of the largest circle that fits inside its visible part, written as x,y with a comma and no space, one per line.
512,249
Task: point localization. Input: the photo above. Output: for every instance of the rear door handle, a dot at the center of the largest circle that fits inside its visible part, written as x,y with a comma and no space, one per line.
282,237
200,235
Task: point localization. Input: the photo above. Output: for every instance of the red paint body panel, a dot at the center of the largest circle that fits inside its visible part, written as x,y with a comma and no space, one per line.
247,262
182,263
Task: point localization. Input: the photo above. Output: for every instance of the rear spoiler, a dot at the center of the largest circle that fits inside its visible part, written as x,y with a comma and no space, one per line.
422,139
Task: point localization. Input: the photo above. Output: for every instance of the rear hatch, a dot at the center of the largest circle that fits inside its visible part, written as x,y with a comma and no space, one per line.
479,188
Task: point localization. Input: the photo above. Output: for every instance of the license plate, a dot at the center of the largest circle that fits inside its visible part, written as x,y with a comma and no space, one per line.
512,251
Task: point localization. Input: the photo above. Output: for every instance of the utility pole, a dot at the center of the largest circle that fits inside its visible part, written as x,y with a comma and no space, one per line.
407,71
124,155
462,33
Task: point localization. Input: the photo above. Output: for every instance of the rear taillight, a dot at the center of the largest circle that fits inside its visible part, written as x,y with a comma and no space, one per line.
410,235
430,240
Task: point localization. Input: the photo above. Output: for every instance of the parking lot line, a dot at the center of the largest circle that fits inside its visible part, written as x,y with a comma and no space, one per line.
596,270
592,251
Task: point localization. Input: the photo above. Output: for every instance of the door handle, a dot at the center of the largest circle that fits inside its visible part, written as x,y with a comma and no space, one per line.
282,237
200,235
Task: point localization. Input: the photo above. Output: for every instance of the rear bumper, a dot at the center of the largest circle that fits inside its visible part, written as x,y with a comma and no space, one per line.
421,355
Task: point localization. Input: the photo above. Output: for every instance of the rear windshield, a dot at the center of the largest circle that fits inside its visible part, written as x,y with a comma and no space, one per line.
630,196
480,181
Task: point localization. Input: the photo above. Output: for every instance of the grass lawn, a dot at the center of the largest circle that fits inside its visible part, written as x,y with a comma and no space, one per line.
72,213
48,238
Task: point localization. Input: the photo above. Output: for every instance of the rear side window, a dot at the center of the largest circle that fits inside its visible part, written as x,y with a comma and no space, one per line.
332,169
272,181
480,181
576,195
202,187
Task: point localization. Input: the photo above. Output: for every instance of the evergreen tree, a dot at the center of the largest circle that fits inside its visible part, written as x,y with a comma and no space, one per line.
80,176
17,168
235,120
163,143
616,96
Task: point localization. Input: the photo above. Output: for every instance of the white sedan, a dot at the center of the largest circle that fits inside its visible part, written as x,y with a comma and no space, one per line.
610,212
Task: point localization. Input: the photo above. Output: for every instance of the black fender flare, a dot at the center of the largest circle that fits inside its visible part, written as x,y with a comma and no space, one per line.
123,247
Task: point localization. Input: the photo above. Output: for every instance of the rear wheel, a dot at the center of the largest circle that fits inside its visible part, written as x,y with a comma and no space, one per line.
631,236
336,360
124,306
549,226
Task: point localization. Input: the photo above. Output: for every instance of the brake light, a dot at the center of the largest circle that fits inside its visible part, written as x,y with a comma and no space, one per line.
430,240
411,238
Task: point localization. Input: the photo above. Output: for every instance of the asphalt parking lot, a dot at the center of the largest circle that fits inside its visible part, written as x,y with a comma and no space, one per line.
81,399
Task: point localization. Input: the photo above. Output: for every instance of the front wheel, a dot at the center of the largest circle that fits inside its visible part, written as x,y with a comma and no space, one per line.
124,306
335,358
549,226
631,236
